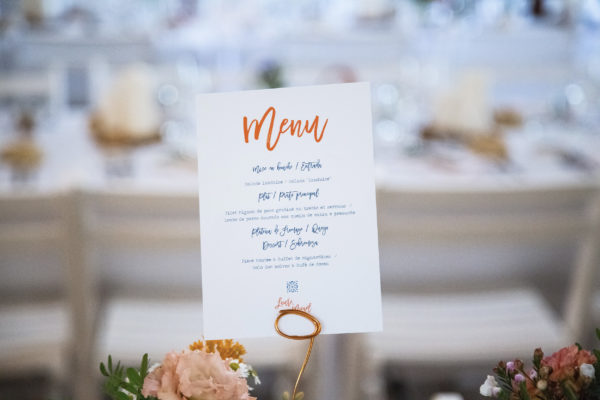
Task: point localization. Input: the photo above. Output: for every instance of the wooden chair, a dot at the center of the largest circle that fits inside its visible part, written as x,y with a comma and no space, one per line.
36,319
464,275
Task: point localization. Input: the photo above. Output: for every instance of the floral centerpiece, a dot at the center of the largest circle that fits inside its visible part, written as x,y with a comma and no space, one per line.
210,370
571,373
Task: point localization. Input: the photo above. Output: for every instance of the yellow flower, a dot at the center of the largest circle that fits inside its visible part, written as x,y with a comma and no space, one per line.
227,348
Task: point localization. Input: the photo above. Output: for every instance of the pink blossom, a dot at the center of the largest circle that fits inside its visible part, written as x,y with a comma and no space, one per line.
195,375
533,374
566,360
205,376
163,382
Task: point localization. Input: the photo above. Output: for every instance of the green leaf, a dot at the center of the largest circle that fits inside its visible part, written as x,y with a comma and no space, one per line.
578,346
598,333
538,355
110,366
503,395
134,376
569,392
299,396
131,388
122,396
103,370
119,370
144,366
523,395
504,380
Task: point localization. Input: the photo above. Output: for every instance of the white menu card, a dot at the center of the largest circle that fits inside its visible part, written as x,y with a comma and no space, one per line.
287,210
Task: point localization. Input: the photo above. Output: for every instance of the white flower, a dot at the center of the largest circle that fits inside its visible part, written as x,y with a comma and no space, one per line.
243,370
490,387
587,370
255,375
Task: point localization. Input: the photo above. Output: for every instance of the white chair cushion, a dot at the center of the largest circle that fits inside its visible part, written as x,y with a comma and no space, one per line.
466,327
34,337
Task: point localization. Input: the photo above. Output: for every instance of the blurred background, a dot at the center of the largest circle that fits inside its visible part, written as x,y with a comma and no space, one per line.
486,130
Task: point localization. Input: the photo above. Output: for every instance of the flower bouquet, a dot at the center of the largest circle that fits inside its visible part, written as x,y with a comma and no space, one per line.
571,373
211,370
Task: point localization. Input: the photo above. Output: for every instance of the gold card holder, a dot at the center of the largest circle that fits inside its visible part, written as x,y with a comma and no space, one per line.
310,336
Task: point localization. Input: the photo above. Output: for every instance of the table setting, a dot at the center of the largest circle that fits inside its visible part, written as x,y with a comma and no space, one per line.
325,199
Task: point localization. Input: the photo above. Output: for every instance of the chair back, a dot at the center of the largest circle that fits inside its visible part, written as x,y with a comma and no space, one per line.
144,244
485,239
33,244
37,326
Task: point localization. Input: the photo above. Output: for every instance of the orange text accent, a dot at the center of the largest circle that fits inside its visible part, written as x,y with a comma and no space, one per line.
289,304
295,127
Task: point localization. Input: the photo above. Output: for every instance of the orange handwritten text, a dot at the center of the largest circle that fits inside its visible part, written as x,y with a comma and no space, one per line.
289,304
294,127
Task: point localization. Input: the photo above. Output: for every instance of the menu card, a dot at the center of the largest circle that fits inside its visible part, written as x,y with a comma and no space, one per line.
287,210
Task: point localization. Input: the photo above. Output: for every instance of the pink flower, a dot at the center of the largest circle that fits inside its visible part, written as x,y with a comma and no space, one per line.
533,374
195,375
163,382
205,376
566,360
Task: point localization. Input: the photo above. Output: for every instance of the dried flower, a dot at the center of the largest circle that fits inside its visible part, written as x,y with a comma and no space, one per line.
518,364
538,354
542,385
227,348
568,374
545,372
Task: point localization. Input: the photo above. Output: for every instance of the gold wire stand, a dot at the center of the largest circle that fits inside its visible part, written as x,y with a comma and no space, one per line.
310,336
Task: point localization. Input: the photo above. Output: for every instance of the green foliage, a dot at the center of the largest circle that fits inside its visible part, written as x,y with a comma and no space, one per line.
569,392
503,378
504,395
523,395
125,384
538,355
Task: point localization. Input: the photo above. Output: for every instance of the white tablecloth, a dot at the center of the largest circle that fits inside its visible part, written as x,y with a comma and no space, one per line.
536,158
